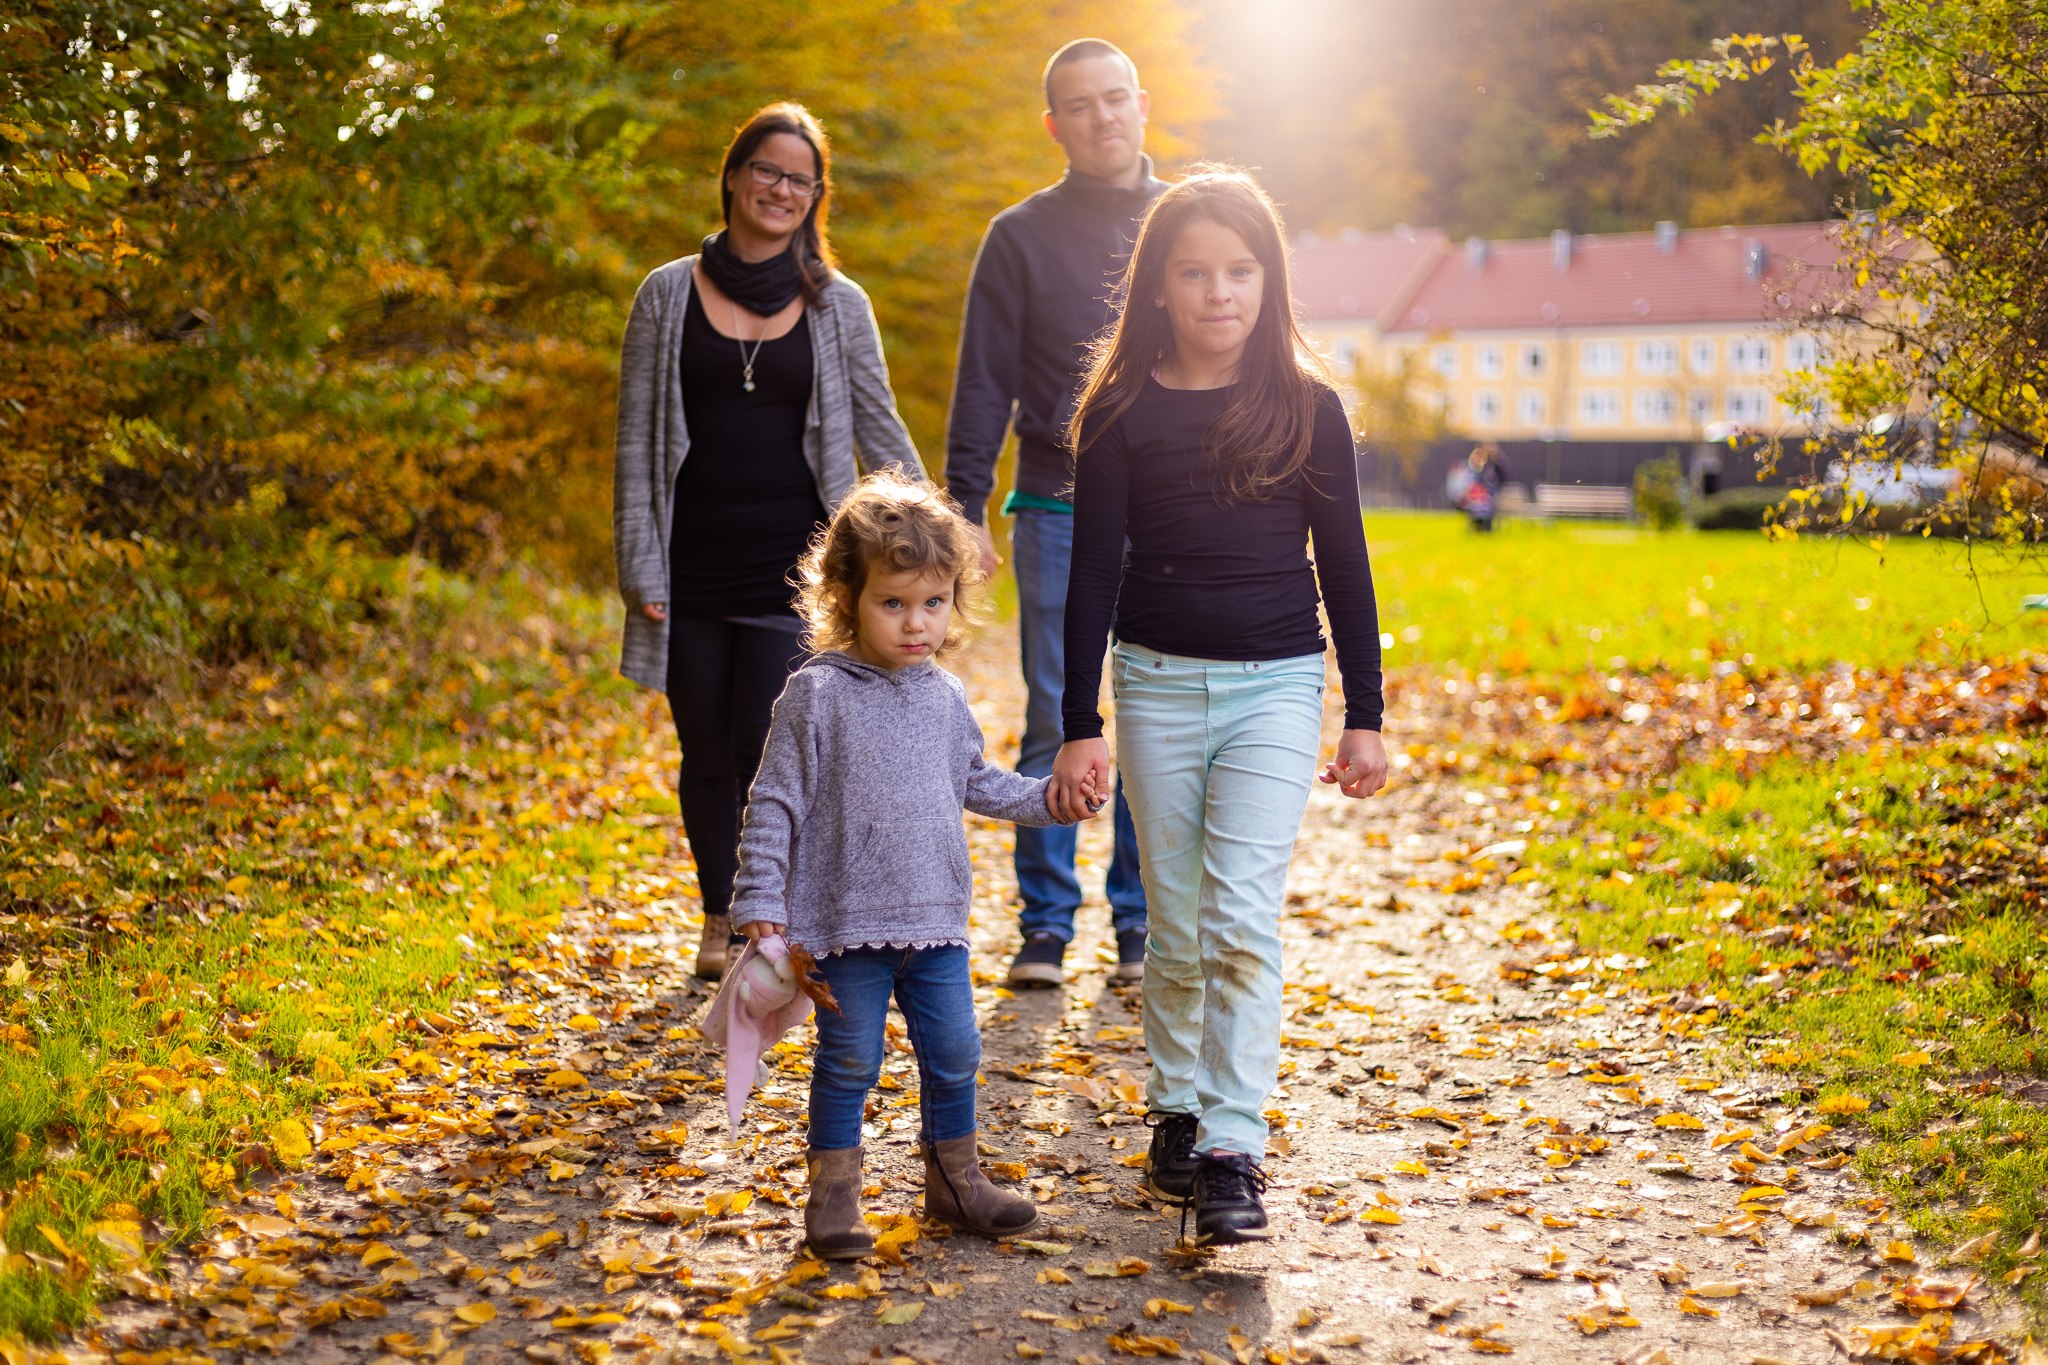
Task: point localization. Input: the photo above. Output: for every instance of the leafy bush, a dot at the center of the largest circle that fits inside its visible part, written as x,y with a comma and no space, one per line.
1660,490
1737,509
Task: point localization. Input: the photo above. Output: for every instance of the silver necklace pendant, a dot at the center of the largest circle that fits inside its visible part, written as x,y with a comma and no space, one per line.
747,361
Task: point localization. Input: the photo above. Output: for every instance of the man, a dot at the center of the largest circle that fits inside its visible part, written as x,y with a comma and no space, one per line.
1041,292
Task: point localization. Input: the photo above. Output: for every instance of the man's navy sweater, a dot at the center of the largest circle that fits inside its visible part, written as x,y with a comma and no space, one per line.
1041,292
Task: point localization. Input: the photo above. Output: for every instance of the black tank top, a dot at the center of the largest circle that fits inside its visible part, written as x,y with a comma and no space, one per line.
746,502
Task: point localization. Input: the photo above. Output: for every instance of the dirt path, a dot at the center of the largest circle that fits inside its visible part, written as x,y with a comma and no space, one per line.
1486,1143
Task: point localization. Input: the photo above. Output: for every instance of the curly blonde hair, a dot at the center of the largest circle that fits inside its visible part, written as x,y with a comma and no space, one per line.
897,526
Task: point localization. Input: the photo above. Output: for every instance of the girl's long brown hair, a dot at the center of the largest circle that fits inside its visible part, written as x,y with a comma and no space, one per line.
812,246
1262,439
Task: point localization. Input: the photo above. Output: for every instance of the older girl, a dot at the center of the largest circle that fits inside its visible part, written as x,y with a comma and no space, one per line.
1209,437
750,382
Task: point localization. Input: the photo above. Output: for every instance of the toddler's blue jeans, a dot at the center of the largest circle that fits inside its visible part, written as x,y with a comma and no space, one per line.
936,994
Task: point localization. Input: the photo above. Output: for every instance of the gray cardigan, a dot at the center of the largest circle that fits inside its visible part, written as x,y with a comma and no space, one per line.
852,410
853,832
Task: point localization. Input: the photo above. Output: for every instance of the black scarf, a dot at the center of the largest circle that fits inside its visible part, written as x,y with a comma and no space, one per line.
763,287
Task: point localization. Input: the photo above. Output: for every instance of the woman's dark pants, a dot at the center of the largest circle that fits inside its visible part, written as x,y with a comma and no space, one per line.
723,680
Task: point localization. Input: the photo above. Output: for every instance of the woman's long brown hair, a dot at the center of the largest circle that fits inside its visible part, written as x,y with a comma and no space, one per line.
1262,439
812,246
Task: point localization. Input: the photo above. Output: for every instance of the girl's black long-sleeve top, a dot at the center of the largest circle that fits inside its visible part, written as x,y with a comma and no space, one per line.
1211,578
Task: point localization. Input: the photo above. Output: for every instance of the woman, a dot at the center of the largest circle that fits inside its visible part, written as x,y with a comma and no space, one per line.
751,385
1209,435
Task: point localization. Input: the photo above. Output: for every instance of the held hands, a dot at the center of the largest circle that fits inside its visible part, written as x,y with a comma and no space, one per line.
1360,768
986,544
654,611
760,928
1080,780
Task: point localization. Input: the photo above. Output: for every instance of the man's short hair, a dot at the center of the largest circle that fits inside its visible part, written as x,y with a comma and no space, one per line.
1080,50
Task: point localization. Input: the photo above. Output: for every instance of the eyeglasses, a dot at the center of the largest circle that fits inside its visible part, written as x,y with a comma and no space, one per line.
768,176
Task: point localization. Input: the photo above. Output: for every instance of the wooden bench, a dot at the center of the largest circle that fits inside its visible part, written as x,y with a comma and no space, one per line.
1585,500
1513,501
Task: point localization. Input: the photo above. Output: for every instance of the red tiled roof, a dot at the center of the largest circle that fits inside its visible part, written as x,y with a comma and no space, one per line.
1359,276
1622,279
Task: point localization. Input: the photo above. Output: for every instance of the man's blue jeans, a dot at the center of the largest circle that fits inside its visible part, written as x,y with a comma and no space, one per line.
1041,551
933,988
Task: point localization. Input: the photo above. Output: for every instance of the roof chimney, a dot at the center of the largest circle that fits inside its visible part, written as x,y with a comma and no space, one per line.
1667,237
1475,255
1753,259
1561,249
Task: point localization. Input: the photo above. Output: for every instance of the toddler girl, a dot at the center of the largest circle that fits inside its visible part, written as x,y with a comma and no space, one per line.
853,846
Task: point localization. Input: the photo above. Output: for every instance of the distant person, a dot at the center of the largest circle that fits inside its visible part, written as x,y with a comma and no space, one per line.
1040,294
1211,449
723,476
1481,495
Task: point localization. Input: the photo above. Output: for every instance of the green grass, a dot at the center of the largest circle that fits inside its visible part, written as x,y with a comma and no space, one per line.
1874,929
218,918
1579,596
1842,911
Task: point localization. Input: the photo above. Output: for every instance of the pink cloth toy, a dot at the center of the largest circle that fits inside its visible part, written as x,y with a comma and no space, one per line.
757,1002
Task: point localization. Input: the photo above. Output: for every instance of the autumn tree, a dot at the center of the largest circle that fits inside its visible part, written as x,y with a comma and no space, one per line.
1938,321
1471,116
304,284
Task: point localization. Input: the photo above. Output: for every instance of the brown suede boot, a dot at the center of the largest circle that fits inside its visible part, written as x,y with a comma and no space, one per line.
833,1225
712,953
957,1193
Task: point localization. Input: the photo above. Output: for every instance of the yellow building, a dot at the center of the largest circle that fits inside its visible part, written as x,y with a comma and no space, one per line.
1650,336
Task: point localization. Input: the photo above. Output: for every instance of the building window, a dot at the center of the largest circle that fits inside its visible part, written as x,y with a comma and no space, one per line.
1657,357
1656,407
1800,353
1489,362
1486,408
1749,355
1600,407
1444,360
1748,405
1703,356
1534,361
1345,356
1532,407
1602,358
1699,407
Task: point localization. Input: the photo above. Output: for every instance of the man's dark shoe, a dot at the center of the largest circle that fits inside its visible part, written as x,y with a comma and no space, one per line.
1042,961
1227,1207
1170,1174
1130,956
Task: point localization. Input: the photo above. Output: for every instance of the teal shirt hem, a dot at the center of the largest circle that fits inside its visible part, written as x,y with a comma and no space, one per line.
1018,499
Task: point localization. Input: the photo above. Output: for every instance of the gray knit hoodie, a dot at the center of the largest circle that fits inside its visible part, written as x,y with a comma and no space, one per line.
853,832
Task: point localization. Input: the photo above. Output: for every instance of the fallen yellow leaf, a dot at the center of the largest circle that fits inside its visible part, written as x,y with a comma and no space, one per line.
476,1312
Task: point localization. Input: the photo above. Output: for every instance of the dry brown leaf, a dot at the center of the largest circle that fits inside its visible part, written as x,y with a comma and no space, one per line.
807,979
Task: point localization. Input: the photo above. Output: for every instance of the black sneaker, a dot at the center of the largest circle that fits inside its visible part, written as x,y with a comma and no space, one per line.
1171,1167
1042,961
1130,956
1226,1202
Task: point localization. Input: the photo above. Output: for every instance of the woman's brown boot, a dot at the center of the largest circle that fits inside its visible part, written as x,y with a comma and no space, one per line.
957,1193
712,954
832,1220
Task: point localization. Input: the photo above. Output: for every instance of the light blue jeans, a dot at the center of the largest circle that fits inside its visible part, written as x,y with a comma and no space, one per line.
1217,758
